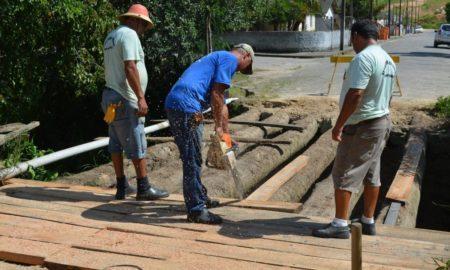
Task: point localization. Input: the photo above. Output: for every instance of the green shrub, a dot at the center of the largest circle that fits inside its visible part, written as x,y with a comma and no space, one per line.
442,106
430,21
51,55
23,149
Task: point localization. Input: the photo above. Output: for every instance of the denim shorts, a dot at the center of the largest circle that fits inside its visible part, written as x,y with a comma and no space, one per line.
126,132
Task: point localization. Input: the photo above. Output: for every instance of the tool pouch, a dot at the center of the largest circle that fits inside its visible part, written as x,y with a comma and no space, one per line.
110,114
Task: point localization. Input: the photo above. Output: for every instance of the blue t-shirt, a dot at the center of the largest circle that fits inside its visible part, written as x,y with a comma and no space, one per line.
192,92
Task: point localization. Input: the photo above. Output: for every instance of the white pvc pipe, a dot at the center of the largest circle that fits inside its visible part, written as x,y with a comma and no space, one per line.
75,150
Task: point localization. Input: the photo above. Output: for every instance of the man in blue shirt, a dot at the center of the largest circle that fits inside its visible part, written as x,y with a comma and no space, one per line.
202,85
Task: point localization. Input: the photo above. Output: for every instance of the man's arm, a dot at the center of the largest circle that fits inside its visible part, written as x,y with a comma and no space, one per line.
132,75
351,103
217,105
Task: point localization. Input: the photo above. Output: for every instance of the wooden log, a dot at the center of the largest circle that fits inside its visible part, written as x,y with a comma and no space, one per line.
237,139
406,186
159,156
257,164
321,154
321,201
172,179
17,132
266,190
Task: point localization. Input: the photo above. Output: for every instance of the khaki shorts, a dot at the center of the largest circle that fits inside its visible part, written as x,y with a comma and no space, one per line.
359,153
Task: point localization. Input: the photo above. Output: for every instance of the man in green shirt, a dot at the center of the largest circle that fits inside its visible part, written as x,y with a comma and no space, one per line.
124,104
361,129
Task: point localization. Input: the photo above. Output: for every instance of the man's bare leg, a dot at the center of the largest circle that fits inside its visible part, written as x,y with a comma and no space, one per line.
370,200
117,159
140,165
342,201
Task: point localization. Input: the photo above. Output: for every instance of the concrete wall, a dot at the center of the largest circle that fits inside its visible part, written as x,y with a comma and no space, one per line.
287,42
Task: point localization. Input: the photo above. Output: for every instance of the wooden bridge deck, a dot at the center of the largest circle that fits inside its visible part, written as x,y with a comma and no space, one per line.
60,226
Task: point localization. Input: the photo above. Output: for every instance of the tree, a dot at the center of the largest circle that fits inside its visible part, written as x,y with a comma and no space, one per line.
52,54
447,12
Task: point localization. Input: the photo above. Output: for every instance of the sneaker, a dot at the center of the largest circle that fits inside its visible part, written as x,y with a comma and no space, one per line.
210,203
367,229
204,217
331,231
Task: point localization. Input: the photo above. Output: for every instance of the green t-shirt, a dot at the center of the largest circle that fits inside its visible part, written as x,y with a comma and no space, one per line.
373,71
123,44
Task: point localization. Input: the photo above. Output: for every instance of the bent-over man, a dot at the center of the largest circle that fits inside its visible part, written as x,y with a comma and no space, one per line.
201,85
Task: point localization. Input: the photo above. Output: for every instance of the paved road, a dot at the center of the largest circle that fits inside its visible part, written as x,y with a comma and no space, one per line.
424,71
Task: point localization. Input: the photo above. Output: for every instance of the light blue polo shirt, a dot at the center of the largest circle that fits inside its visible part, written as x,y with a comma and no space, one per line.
373,71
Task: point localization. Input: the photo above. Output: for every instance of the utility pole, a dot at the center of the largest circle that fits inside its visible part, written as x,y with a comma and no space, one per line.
418,11
341,45
389,17
400,19
407,17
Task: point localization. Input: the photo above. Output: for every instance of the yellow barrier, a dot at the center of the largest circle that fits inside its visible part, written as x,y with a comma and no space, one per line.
349,58
336,59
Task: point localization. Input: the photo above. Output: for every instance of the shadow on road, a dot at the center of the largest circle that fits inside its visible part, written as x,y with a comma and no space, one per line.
424,54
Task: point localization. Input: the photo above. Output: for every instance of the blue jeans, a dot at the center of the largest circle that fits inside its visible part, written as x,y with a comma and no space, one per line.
188,137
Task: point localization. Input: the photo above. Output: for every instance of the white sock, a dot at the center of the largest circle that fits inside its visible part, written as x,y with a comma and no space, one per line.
337,222
367,220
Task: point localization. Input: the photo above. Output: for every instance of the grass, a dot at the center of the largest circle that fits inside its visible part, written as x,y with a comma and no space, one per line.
442,107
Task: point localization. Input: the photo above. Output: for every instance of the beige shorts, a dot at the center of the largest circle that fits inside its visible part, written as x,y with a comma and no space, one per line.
359,153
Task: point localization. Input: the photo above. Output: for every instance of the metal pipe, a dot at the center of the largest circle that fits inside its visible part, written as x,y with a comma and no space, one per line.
75,150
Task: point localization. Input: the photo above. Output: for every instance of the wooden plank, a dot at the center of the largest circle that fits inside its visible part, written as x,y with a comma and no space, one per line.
349,58
10,127
268,205
14,134
26,251
149,216
266,190
17,183
404,260
410,168
280,234
73,258
236,215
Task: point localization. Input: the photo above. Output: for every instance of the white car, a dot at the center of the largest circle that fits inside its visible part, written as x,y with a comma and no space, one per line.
418,29
442,35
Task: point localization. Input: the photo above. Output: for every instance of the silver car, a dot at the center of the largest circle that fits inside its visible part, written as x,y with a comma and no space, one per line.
442,35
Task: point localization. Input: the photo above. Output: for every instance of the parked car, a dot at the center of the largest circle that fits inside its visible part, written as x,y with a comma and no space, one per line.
442,35
418,29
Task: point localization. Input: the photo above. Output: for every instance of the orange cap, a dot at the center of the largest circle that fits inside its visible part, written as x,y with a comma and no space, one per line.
140,12
226,137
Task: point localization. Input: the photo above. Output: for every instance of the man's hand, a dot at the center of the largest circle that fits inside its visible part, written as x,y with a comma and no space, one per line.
336,133
142,107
